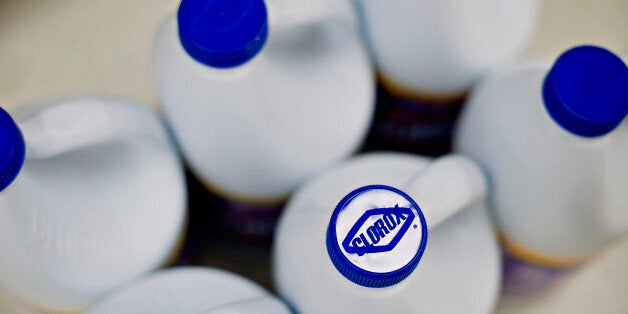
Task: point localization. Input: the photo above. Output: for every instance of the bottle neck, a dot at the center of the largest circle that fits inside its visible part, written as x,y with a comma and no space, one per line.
550,127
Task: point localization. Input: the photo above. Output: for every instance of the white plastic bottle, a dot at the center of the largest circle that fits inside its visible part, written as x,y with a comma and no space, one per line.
191,290
350,239
92,195
556,158
261,99
428,53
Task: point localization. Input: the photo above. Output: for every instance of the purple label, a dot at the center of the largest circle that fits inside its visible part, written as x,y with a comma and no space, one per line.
251,221
522,278
212,220
412,125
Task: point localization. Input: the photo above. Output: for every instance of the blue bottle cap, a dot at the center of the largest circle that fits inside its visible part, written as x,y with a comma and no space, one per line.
586,91
12,150
376,236
222,33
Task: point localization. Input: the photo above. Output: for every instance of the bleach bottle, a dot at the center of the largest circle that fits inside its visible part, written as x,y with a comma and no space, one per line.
263,94
389,233
191,290
92,195
556,152
428,54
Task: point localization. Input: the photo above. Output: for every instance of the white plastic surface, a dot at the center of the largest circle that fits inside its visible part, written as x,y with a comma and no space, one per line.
552,191
86,52
191,290
257,130
458,273
443,46
447,186
95,205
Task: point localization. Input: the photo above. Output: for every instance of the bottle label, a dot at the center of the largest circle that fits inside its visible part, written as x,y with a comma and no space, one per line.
405,122
376,236
527,272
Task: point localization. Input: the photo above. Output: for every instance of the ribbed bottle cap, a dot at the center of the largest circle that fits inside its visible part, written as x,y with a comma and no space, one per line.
376,236
222,33
12,150
586,91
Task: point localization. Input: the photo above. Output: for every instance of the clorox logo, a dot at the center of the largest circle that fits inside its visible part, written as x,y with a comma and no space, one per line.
376,235
378,230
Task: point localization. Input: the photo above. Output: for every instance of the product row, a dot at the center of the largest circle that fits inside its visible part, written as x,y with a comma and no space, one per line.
398,155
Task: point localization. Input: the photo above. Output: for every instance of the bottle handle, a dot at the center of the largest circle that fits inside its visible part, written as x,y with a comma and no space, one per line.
448,185
85,121
293,13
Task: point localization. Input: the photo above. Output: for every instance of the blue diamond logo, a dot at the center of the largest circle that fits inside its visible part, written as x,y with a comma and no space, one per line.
393,222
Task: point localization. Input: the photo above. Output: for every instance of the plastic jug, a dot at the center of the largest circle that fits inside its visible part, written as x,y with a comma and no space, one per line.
389,233
557,158
191,290
428,54
92,196
262,94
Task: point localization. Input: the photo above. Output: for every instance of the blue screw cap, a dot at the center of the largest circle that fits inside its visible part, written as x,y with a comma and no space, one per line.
586,91
12,150
376,236
222,33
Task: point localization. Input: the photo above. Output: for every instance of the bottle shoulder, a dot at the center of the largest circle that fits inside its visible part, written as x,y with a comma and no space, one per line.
506,103
305,53
203,289
460,52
